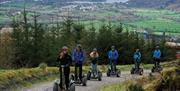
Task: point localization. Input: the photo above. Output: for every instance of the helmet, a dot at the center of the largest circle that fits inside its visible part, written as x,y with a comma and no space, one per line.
157,47
137,49
112,47
95,49
64,48
79,46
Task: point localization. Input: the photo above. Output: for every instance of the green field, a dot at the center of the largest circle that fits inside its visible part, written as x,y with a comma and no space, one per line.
159,25
156,20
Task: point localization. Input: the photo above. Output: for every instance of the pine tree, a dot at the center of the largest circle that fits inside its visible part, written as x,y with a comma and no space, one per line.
38,49
78,30
67,35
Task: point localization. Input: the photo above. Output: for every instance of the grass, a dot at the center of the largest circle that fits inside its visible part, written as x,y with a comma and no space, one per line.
114,87
152,82
11,78
159,20
24,77
159,25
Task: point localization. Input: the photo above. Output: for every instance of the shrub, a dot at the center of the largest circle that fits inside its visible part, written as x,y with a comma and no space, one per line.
18,77
135,87
43,66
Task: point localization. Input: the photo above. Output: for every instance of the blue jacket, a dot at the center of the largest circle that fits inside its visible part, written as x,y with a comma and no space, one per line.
113,55
78,57
137,56
157,54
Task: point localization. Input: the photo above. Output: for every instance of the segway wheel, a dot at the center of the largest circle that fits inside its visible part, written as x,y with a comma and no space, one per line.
132,71
108,73
72,87
99,76
89,76
140,71
118,73
152,70
84,81
160,68
55,86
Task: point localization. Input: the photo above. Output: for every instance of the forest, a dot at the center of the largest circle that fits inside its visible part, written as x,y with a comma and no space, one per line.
32,43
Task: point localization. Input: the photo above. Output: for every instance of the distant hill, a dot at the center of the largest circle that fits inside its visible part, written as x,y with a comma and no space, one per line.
170,4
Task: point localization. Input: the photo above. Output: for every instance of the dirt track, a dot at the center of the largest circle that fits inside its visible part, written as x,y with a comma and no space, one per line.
91,85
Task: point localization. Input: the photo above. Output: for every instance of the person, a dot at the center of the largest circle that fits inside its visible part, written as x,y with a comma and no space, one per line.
64,60
78,57
137,58
94,55
157,56
113,57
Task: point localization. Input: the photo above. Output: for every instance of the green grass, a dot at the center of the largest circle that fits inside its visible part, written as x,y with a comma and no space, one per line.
153,12
159,25
167,33
158,20
114,87
148,83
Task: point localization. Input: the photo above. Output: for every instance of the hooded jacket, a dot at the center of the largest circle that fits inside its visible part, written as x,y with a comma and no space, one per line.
157,54
137,56
113,55
78,57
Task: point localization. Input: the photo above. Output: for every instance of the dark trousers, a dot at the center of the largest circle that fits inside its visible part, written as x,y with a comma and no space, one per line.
137,64
64,75
156,62
80,71
113,65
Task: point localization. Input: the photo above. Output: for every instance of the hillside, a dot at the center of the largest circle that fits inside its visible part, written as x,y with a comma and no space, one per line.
170,4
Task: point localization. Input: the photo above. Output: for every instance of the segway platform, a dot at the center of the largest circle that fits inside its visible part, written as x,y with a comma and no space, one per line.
156,69
94,75
137,71
78,82
116,73
56,86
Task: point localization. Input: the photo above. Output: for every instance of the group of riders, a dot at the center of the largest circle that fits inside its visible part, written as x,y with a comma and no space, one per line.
78,56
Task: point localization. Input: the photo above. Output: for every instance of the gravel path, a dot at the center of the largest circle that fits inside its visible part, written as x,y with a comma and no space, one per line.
92,85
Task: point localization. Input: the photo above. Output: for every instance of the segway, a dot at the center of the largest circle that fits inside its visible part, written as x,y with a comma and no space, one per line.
136,70
113,71
78,81
156,68
94,75
56,86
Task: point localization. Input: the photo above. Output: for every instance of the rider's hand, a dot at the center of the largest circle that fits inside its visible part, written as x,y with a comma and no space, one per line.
61,55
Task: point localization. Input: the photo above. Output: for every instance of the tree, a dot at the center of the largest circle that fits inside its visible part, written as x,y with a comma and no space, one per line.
104,41
37,41
66,32
78,30
5,50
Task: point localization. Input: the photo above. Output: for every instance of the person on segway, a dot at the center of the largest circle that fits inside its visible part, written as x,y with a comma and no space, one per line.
157,57
64,60
113,58
78,57
94,55
137,59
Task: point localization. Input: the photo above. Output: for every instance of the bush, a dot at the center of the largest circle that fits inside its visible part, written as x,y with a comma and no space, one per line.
43,66
12,78
135,87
